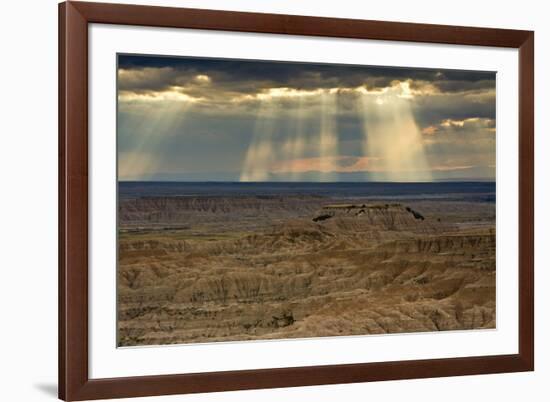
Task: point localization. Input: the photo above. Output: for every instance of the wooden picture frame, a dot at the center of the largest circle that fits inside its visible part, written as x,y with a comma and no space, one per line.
74,381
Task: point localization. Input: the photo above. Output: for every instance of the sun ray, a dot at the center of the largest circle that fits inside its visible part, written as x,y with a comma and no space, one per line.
392,138
260,153
154,124
298,142
328,139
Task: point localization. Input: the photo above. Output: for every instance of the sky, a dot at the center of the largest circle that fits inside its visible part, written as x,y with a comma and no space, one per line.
198,119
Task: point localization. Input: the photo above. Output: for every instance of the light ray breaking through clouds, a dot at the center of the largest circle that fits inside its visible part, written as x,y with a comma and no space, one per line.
154,126
393,137
261,152
328,139
296,146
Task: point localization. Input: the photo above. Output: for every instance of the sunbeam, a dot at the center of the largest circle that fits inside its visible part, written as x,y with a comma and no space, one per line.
298,142
260,153
392,138
263,158
328,139
157,123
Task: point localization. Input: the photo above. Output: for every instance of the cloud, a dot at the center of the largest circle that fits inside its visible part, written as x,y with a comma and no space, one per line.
472,122
430,130
238,77
332,164
477,125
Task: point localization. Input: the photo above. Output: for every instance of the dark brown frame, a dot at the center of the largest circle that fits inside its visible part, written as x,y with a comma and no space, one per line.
74,383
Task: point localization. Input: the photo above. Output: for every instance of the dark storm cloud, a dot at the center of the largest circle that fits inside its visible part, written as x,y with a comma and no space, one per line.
247,77
430,110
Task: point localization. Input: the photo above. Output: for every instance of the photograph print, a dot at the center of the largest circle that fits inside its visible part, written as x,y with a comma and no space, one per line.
273,200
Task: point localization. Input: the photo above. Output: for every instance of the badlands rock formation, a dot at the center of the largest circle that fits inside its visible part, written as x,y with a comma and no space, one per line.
204,269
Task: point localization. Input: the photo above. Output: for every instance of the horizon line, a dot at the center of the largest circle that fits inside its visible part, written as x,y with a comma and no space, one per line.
467,180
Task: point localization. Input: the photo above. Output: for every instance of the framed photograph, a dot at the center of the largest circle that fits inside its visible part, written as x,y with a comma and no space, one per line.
259,200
